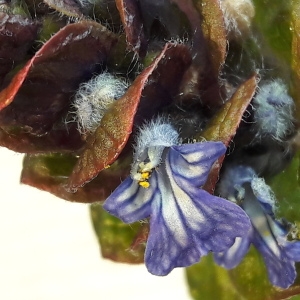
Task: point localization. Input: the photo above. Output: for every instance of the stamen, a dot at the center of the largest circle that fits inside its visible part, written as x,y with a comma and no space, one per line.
146,175
144,184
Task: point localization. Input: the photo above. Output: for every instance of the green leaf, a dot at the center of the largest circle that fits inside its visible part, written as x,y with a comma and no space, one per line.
51,25
251,280
272,17
248,281
50,172
116,237
295,28
286,187
250,277
207,280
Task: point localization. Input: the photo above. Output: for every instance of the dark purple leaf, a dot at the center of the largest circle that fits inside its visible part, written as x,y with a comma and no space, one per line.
132,24
16,37
164,82
39,95
57,140
164,19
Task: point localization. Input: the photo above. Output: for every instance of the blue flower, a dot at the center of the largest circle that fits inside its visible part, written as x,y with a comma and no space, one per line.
186,222
267,234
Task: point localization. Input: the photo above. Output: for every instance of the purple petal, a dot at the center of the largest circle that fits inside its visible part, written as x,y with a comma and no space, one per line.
188,223
292,250
130,202
234,255
232,180
194,161
281,268
167,249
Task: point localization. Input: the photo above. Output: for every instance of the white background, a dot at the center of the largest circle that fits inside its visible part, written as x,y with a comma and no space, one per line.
49,251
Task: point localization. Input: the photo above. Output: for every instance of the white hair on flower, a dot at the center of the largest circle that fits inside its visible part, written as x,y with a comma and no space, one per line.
238,15
152,139
273,110
93,98
263,192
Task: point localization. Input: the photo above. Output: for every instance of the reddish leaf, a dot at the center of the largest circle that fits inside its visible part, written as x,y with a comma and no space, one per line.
49,172
16,37
42,89
224,124
105,145
57,140
164,20
188,8
201,85
213,27
171,68
7,95
131,19
164,82
207,23
198,42
208,50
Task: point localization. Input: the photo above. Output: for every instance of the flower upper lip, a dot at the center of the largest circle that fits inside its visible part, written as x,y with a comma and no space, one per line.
260,220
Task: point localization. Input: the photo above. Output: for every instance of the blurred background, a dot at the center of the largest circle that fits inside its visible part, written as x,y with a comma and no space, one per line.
49,250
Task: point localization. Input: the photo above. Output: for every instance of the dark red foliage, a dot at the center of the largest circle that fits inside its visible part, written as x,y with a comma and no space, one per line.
133,26
16,37
37,100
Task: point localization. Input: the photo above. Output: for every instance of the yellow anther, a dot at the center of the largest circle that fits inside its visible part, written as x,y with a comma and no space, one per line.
144,184
145,175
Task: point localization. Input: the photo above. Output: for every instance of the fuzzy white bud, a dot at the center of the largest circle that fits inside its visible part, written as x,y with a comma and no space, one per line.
273,111
94,97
